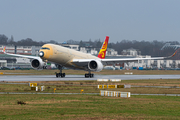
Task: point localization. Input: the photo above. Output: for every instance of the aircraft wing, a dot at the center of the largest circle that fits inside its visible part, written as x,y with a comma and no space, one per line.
121,60
17,55
125,60
112,61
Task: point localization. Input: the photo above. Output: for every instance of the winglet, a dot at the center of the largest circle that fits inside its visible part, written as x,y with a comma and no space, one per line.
4,49
173,54
102,52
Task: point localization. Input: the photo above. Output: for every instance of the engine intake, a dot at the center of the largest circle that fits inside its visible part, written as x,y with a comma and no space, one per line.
38,64
95,65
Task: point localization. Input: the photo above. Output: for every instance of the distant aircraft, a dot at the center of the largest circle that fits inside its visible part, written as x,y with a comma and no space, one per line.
66,57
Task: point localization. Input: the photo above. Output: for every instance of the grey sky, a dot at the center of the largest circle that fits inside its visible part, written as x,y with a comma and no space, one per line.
61,20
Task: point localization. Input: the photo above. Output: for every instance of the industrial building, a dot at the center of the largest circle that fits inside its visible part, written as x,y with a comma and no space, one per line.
25,50
3,63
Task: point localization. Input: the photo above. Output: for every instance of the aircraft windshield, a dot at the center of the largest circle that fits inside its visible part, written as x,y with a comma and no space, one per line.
45,48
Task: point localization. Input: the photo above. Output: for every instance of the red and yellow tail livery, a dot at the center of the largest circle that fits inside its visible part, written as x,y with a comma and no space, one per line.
102,52
4,49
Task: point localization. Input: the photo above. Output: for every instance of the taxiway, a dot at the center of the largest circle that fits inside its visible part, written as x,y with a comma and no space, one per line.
81,77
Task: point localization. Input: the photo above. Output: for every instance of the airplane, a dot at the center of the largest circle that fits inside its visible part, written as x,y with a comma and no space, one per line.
69,58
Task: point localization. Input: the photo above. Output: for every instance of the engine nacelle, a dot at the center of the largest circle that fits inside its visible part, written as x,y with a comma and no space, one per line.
95,65
38,64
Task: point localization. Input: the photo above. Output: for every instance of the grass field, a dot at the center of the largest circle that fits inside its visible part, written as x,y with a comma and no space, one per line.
91,86
90,107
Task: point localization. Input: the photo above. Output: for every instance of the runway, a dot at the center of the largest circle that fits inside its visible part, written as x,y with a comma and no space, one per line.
81,77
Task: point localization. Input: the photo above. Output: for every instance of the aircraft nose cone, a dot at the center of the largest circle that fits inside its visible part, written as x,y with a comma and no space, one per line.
41,54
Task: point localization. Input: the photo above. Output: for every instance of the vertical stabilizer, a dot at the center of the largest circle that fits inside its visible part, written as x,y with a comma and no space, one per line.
102,52
4,49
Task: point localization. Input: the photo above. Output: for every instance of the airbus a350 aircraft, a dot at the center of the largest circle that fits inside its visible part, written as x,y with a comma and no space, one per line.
75,59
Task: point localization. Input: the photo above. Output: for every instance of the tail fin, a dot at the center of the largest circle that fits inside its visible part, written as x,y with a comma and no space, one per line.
4,49
102,52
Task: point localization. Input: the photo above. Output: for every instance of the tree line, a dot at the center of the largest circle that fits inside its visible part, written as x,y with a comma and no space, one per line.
4,40
152,48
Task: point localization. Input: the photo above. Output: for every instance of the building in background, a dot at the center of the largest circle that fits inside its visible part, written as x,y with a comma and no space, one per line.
131,51
11,62
71,46
3,63
25,50
111,52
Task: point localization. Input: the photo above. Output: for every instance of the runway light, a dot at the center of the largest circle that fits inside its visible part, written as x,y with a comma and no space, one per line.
102,80
115,80
82,91
54,90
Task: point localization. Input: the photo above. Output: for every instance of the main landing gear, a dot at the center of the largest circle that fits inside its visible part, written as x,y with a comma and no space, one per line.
89,75
60,74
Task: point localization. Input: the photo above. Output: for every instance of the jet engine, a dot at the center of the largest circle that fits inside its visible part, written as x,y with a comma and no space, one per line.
95,65
38,64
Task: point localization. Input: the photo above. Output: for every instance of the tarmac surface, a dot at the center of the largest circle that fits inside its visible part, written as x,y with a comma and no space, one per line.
81,77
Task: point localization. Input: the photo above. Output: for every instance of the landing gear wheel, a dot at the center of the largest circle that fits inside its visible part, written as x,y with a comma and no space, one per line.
86,75
89,75
44,67
60,74
57,75
63,75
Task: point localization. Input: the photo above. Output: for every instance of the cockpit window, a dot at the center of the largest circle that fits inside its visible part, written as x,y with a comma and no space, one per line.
45,48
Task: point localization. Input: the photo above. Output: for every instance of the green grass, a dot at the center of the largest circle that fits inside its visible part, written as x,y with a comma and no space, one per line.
88,107
91,86
48,88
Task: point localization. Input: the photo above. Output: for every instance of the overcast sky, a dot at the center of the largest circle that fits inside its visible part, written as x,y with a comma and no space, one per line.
62,20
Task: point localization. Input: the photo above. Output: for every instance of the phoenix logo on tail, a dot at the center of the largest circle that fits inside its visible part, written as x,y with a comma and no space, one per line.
4,49
102,52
